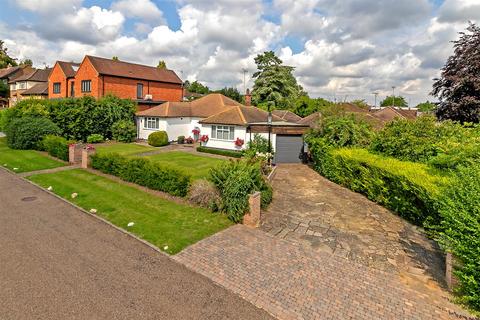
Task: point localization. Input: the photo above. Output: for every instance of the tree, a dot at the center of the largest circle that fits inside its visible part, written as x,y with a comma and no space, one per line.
232,93
458,87
397,101
275,84
305,106
162,64
196,87
4,89
115,58
5,59
26,62
361,104
426,106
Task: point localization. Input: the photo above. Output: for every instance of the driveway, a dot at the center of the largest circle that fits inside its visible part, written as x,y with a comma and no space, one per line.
57,262
313,212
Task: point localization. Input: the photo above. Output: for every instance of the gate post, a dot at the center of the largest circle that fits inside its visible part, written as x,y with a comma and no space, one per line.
252,218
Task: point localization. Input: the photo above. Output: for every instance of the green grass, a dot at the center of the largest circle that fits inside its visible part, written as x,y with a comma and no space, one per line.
195,165
25,160
160,222
125,149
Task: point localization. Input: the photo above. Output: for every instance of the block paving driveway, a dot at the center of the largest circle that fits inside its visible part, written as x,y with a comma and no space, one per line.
324,252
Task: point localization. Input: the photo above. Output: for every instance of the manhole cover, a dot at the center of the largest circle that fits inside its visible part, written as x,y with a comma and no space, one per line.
28,199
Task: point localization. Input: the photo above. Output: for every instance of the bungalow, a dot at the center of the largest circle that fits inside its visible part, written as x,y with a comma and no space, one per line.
225,123
97,77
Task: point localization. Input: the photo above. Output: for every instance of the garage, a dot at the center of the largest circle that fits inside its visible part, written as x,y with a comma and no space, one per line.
288,148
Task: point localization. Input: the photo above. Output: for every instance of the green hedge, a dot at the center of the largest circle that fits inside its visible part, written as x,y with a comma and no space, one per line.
227,153
55,146
410,189
27,132
460,231
143,172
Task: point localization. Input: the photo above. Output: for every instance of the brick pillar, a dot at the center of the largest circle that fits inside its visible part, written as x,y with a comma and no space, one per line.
450,278
75,153
86,153
252,218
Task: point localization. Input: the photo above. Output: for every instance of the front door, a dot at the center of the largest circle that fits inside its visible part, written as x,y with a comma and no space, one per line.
72,89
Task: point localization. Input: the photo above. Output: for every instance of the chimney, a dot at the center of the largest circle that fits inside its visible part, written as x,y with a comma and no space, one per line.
248,98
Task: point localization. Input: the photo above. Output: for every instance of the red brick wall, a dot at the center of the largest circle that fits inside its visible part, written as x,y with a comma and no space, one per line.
127,88
86,71
57,75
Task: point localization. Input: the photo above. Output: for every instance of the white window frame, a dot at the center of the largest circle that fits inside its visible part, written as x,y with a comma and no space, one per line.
151,123
225,133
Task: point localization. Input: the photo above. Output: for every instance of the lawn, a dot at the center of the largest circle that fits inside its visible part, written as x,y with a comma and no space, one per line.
160,222
25,160
125,149
195,165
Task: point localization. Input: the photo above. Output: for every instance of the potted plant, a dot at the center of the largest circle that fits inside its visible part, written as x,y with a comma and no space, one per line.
204,139
239,143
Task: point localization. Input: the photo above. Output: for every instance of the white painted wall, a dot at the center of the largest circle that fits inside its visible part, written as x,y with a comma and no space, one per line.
240,132
143,133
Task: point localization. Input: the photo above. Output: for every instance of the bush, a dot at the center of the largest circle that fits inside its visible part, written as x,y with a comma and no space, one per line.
460,212
158,139
227,153
26,132
124,131
144,172
95,138
181,139
55,146
259,144
236,180
204,194
410,189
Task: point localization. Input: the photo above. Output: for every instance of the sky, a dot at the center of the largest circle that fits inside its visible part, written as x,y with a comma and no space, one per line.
341,49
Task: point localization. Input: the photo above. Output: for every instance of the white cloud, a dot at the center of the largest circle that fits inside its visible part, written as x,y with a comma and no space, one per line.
142,9
48,6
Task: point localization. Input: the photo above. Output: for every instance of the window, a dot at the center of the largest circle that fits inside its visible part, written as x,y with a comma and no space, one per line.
151,123
86,85
56,87
139,91
223,132
13,87
22,85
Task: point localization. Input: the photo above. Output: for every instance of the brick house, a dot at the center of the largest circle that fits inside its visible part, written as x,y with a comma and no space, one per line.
97,77
9,74
32,83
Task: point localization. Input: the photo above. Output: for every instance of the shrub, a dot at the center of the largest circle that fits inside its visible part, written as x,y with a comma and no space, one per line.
124,131
144,172
259,145
203,193
158,139
26,132
56,146
460,212
181,139
227,153
236,180
410,189
95,138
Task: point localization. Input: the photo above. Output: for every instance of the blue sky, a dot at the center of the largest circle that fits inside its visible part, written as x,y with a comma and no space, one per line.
340,49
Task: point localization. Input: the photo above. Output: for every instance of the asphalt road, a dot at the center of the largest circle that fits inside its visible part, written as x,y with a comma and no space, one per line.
59,263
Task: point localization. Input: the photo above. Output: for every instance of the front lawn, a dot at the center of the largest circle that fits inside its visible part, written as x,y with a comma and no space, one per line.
160,222
25,160
124,149
195,165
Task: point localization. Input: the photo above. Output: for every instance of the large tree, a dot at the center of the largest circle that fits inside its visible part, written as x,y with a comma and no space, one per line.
458,87
397,101
275,86
5,59
426,106
196,87
305,106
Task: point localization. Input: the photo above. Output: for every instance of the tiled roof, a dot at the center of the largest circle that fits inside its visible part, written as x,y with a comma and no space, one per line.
240,115
131,70
5,72
201,108
69,68
38,75
311,119
388,114
287,115
38,89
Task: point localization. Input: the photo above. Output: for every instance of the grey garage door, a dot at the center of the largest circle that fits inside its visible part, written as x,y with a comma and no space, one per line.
288,148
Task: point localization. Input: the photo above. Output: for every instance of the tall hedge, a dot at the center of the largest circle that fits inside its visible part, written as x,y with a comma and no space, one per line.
410,189
143,172
27,132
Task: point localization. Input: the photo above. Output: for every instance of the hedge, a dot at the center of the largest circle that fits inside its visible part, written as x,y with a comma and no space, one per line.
143,172
27,132
410,189
158,139
227,153
55,146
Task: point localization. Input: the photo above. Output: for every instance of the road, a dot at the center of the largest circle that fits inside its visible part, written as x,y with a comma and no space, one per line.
59,263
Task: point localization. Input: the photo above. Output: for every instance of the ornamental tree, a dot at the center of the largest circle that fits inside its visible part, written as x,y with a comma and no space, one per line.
458,87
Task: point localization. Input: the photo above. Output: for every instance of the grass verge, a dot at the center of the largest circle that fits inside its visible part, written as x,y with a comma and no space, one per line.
25,160
169,226
124,149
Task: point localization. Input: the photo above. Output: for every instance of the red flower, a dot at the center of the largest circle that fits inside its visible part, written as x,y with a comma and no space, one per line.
196,131
239,142
204,138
